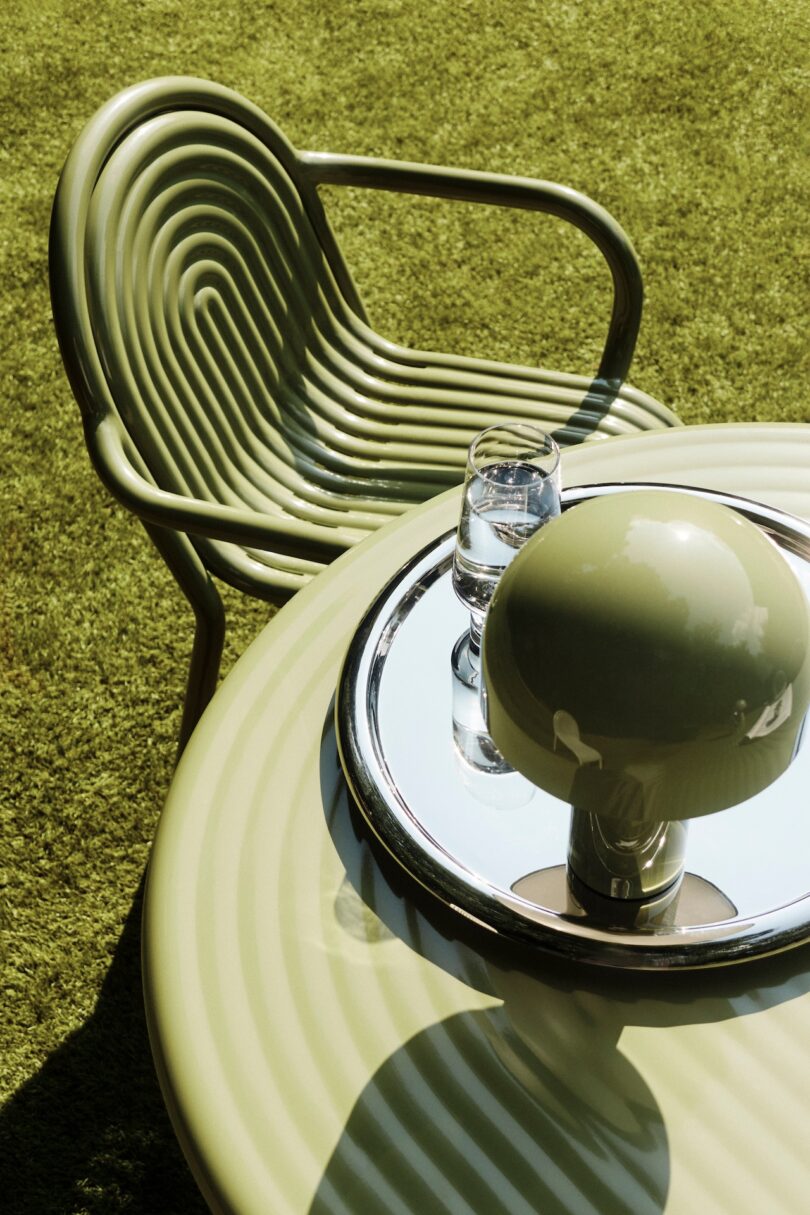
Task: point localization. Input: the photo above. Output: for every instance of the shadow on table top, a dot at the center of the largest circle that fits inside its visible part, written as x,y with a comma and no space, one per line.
530,1106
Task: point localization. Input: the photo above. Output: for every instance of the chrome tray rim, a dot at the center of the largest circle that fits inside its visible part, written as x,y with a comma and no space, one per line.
471,896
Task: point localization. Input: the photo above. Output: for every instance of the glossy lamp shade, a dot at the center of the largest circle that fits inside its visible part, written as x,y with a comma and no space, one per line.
647,658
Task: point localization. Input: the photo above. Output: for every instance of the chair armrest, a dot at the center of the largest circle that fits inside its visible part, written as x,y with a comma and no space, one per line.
115,462
503,190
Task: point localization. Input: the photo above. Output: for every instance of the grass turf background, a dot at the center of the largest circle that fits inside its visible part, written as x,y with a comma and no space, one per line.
688,121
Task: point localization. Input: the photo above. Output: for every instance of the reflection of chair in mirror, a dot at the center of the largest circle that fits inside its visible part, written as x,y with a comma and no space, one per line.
234,396
566,731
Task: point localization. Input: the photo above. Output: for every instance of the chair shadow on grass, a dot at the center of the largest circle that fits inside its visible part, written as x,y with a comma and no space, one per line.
89,1133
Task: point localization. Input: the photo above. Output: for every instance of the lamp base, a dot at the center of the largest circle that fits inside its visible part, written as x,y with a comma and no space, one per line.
690,900
626,861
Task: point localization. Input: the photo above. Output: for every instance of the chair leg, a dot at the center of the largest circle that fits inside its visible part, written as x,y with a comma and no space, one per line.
209,633
206,653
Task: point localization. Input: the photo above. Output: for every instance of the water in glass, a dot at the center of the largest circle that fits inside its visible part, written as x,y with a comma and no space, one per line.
499,514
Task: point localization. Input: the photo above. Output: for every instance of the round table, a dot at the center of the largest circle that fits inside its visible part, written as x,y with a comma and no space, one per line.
324,1044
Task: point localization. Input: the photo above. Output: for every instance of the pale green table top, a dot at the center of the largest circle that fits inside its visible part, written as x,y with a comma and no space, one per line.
324,1048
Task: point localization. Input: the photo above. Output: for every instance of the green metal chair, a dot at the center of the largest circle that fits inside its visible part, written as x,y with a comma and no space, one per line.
233,394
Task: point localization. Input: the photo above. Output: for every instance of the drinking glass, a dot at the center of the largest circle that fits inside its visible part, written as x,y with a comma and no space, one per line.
512,488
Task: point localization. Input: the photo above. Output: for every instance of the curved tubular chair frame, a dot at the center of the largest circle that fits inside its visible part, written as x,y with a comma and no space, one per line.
233,394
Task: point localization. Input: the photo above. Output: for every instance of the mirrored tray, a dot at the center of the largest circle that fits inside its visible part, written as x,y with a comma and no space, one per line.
493,847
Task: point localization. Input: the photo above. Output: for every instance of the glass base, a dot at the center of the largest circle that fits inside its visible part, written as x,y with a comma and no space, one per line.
470,733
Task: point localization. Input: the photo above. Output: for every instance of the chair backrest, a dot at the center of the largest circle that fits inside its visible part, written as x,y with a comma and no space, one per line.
191,282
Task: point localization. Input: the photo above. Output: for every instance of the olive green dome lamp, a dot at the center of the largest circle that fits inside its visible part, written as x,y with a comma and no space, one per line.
647,659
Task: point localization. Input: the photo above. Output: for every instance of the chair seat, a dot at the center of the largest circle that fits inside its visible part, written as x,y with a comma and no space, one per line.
376,490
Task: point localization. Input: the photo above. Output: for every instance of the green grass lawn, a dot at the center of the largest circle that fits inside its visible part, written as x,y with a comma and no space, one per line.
687,120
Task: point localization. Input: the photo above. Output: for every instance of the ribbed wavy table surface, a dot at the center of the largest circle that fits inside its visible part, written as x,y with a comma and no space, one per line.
325,1047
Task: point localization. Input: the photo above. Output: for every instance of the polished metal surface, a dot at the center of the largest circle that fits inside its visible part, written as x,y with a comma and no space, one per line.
626,861
494,847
